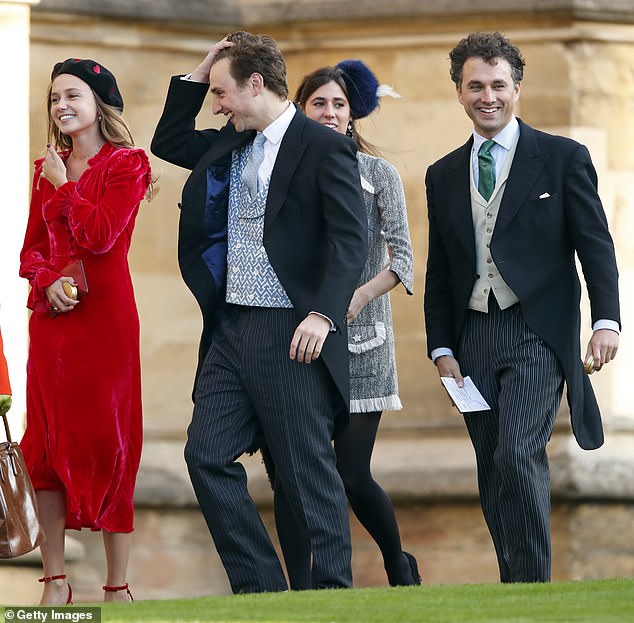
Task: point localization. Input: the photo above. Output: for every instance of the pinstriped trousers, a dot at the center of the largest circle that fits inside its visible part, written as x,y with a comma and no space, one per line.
248,386
521,379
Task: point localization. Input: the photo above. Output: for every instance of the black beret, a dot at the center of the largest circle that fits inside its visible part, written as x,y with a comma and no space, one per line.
95,75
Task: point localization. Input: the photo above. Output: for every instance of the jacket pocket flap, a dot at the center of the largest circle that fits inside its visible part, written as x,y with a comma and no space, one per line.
362,338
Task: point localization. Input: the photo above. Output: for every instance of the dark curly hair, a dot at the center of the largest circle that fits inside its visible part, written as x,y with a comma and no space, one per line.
256,54
487,46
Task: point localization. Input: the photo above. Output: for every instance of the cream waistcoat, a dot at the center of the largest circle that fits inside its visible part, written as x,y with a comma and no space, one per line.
484,216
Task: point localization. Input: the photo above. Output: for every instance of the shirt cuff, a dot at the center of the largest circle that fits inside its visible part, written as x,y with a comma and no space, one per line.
332,324
439,352
607,324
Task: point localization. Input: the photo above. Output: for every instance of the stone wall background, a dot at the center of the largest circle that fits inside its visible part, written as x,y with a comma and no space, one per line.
579,81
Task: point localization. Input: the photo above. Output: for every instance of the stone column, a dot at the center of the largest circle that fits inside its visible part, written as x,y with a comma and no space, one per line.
15,177
14,190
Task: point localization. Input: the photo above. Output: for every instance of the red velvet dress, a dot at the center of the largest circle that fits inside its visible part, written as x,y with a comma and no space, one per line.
83,427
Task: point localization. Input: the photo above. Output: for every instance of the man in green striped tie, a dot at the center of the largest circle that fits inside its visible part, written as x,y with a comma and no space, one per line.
508,211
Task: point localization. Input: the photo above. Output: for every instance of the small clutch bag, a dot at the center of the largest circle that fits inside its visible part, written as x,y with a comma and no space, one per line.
76,271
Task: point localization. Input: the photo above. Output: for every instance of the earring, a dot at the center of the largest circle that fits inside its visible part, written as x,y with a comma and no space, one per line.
350,129
100,118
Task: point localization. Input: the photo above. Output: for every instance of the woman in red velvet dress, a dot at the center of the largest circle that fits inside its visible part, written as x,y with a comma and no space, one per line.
83,434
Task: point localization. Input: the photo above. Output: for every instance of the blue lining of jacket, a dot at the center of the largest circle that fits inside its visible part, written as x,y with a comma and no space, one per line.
215,222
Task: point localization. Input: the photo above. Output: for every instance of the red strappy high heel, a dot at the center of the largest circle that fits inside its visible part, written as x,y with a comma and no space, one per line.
114,589
50,578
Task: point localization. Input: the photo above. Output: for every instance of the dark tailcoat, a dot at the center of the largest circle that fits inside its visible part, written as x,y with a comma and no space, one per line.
550,211
315,228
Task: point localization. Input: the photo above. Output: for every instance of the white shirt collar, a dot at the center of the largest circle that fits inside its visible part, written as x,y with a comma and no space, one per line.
506,137
274,132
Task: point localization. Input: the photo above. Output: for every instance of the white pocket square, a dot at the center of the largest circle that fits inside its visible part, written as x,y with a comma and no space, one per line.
544,195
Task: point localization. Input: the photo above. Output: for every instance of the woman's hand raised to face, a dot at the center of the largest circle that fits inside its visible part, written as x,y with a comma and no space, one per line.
53,168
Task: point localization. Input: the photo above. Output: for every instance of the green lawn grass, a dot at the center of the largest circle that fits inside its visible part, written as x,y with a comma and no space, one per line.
597,601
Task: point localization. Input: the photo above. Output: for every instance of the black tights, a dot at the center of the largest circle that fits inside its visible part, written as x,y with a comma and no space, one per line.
369,502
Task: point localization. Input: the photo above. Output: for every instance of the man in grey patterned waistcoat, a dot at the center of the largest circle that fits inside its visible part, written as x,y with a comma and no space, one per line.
272,240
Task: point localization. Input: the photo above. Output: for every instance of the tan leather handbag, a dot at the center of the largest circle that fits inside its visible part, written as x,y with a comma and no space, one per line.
20,530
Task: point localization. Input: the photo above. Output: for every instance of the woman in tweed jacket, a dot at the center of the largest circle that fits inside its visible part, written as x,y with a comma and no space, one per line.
373,380
336,97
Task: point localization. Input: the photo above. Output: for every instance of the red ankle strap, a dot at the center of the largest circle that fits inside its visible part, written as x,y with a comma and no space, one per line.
114,589
50,578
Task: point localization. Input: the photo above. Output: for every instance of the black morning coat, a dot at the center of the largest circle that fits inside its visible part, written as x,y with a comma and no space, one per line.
550,211
315,226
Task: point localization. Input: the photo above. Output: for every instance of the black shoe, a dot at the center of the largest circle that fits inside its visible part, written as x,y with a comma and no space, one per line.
413,565
402,580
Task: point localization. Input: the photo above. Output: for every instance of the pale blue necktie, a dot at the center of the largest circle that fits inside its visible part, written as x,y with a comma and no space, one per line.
486,170
251,168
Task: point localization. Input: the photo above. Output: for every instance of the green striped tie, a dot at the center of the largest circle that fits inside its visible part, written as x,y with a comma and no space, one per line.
486,170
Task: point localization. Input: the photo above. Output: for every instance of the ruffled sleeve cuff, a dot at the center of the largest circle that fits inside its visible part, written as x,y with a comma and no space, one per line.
37,301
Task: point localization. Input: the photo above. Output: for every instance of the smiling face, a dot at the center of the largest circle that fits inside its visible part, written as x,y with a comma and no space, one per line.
488,94
329,106
232,100
73,107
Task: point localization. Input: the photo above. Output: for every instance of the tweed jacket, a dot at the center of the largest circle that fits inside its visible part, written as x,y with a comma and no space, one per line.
373,379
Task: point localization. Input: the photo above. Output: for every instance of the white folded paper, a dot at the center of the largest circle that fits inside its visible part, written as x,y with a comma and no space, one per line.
466,398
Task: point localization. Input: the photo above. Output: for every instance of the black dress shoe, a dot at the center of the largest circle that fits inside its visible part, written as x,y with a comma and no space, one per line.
413,565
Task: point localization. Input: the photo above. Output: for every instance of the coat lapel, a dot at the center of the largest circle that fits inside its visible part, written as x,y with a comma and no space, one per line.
459,197
288,157
227,141
527,165
219,155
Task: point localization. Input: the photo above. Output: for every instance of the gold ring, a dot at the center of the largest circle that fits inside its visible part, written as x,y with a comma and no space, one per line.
588,366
